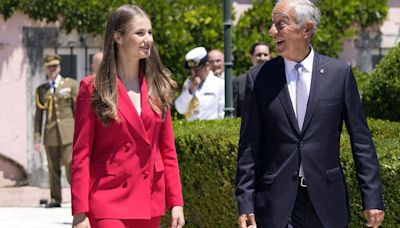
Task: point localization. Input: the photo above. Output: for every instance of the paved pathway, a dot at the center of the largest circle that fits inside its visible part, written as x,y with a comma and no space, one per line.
19,208
35,217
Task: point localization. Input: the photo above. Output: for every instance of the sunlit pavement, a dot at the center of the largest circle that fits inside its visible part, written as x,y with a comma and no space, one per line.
35,217
20,208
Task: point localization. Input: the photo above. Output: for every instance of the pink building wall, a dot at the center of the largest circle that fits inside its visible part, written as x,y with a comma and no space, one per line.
21,71
390,35
15,98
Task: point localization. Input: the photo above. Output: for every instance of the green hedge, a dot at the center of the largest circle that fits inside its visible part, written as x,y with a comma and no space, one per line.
362,79
207,158
386,136
382,93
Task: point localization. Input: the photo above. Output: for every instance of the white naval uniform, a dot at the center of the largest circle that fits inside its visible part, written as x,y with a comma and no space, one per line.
211,98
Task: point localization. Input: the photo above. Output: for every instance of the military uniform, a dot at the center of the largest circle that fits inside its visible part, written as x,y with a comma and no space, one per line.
207,100
55,104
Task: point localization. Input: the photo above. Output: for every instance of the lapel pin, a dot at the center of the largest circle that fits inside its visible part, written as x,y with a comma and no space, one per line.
321,71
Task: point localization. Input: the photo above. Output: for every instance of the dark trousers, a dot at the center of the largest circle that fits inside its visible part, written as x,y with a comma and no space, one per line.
58,156
303,214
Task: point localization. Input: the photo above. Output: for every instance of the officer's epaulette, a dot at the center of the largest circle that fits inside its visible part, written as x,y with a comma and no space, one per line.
67,78
44,86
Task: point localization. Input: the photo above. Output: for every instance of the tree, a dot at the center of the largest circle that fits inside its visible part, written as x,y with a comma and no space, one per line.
253,26
180,25
340,20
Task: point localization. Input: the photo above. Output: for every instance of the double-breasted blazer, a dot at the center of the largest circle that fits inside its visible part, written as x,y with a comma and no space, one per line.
128,170
271,146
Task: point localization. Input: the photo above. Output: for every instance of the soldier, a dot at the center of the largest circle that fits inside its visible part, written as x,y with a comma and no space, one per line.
55,105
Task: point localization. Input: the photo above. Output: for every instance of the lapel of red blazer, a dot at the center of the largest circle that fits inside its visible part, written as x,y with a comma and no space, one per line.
126,108
148,115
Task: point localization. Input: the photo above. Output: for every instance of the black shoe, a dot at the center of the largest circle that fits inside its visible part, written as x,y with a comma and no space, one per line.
53,205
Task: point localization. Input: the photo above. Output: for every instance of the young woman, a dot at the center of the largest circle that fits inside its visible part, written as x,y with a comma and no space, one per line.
124,167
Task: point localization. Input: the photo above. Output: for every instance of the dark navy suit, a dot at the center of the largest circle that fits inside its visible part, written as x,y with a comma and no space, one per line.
271,146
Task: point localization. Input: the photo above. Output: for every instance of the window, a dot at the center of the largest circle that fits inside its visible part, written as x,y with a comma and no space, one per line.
75,61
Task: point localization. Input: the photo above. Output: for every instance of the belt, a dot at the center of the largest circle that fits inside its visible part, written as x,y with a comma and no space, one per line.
303,182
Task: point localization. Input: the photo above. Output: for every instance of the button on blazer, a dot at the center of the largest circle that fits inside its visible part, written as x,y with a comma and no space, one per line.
272,145
128,170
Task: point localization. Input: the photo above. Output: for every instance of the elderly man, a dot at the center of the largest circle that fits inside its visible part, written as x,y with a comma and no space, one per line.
216,61
259,53
56,100
96,61
289,172
203,94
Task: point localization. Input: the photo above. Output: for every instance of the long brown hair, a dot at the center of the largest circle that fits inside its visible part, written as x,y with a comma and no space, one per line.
104,100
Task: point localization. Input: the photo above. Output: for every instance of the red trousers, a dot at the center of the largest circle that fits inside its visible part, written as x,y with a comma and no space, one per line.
125,223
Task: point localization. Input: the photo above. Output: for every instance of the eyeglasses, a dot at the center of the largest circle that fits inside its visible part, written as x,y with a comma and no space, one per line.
262,54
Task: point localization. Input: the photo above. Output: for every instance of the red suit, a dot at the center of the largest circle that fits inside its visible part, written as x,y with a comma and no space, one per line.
128,170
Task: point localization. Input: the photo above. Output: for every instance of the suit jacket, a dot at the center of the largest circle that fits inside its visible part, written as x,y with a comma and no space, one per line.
59,109
271,145
239,88
128,170
241,84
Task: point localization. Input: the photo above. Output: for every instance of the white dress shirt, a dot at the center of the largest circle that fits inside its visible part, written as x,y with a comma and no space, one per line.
291,76
56,82
211,97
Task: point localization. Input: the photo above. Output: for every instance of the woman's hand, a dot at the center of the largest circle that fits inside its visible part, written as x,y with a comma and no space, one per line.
80,221
177,217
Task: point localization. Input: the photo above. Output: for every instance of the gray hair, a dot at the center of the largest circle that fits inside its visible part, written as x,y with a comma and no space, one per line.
306,11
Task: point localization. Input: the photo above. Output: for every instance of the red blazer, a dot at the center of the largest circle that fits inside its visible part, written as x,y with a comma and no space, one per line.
128,170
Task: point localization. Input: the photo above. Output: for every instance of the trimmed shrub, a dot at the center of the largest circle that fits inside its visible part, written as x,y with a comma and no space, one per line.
386,136
382,95
207,158
362,80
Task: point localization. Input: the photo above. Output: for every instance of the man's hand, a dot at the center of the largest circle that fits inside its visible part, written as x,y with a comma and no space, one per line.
177,217
247,221
80,221
38,147
374,217
194,82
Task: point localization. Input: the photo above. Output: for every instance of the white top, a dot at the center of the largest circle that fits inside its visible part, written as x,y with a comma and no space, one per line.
291,76
211,97
222,76
56,82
